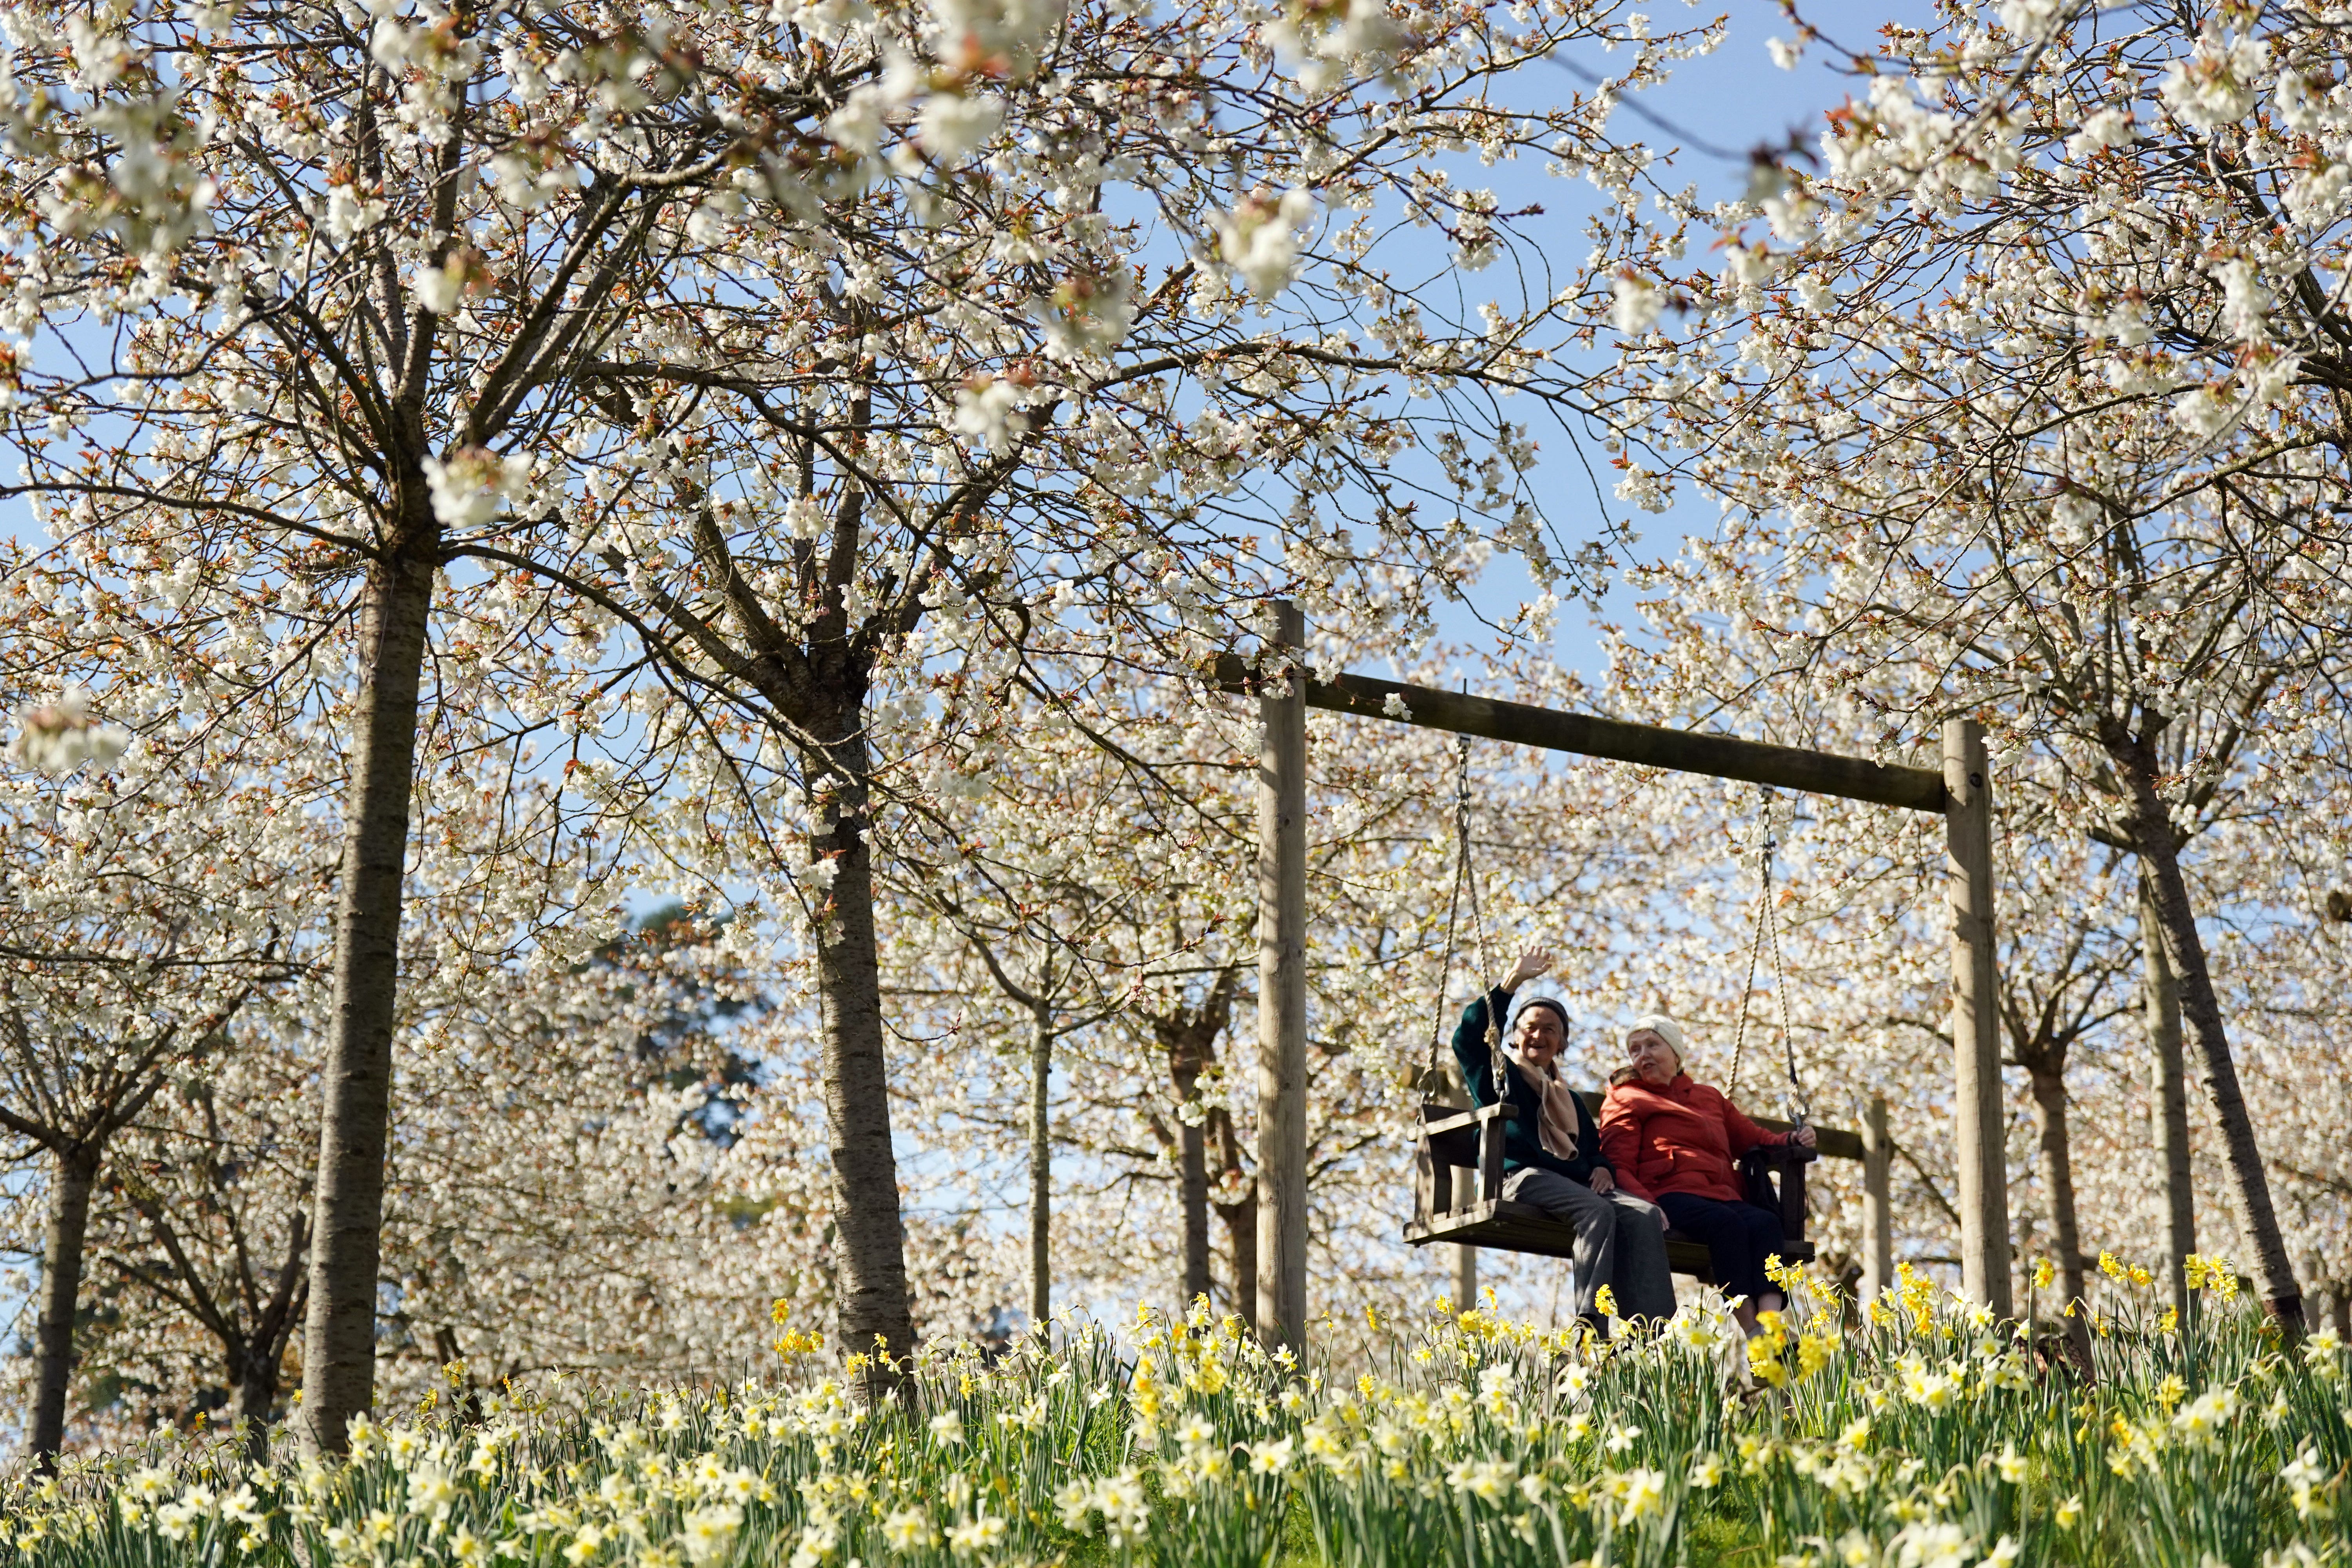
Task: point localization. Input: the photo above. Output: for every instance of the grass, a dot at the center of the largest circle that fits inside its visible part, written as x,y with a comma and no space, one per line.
1919,1434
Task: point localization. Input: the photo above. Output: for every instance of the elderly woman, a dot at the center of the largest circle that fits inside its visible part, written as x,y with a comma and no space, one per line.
1674,1142
1551,1150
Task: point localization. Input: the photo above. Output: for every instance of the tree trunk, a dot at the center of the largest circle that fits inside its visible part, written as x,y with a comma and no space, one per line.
1190,1039
2170,1110
253,1378
1240,1220
871,1262
2200,1007
1877,1201
254,1366
1192,1198
1040,1168
1191,1160
62,1253
339,1348
2058,1180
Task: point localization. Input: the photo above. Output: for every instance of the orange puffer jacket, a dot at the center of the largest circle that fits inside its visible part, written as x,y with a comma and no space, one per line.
1682,1138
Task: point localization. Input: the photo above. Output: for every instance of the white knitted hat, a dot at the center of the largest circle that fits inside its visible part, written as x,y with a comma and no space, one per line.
1666,1029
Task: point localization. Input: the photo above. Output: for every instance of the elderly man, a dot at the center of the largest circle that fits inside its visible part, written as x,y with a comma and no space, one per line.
1552,1151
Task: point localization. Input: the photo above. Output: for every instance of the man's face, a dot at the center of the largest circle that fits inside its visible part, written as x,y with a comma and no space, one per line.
1539,1036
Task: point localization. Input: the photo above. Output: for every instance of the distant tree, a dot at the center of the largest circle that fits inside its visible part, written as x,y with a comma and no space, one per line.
208,1219
700,1002
146,912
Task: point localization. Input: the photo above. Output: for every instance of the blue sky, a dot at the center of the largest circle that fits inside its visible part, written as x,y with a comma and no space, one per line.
1731,99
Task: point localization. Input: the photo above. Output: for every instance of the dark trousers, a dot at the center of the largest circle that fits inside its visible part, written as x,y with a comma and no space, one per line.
1738,1236
1620,1242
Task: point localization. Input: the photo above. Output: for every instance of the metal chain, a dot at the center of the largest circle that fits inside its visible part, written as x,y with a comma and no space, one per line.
1464,876
1768,927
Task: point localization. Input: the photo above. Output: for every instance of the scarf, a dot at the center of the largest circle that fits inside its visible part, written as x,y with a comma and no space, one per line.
1556,1125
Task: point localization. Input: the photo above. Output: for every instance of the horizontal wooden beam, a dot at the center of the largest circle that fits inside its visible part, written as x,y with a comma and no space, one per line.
1834,1142
1586,735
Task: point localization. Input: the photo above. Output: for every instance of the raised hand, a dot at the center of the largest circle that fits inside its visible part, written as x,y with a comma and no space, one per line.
1534,962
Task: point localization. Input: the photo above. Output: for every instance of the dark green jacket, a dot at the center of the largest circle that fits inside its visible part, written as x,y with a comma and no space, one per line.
1522,1143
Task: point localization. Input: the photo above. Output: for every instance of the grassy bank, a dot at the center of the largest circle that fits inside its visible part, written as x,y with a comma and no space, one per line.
1916,1433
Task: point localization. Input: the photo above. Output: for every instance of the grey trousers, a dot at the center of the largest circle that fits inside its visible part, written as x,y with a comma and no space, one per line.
1620,1242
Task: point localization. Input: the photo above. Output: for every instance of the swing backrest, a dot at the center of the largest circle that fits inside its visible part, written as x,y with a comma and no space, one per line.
1459,1165
1458,1193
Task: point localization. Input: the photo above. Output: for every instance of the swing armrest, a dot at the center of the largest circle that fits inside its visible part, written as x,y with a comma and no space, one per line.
1470,1139
1786,1197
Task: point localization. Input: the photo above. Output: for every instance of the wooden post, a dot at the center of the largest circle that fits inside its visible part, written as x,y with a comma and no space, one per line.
1979,1126
1282,1000
1877,1208
2170,1120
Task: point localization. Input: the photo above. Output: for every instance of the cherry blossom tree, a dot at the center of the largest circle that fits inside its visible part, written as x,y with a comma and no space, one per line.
148,907
1032,937
72,1093
2022,402
1089,316
202,1243
1107,843
300,315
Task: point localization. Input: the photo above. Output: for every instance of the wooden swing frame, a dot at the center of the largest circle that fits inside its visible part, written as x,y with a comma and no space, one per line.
1961,794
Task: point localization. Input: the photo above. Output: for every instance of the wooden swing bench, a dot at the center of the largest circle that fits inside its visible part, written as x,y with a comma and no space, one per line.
1458,1190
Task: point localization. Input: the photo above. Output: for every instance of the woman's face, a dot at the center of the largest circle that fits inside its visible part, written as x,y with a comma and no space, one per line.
1651,1057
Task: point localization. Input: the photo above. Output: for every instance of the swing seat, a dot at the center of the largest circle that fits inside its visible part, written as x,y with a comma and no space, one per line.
1458,1193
